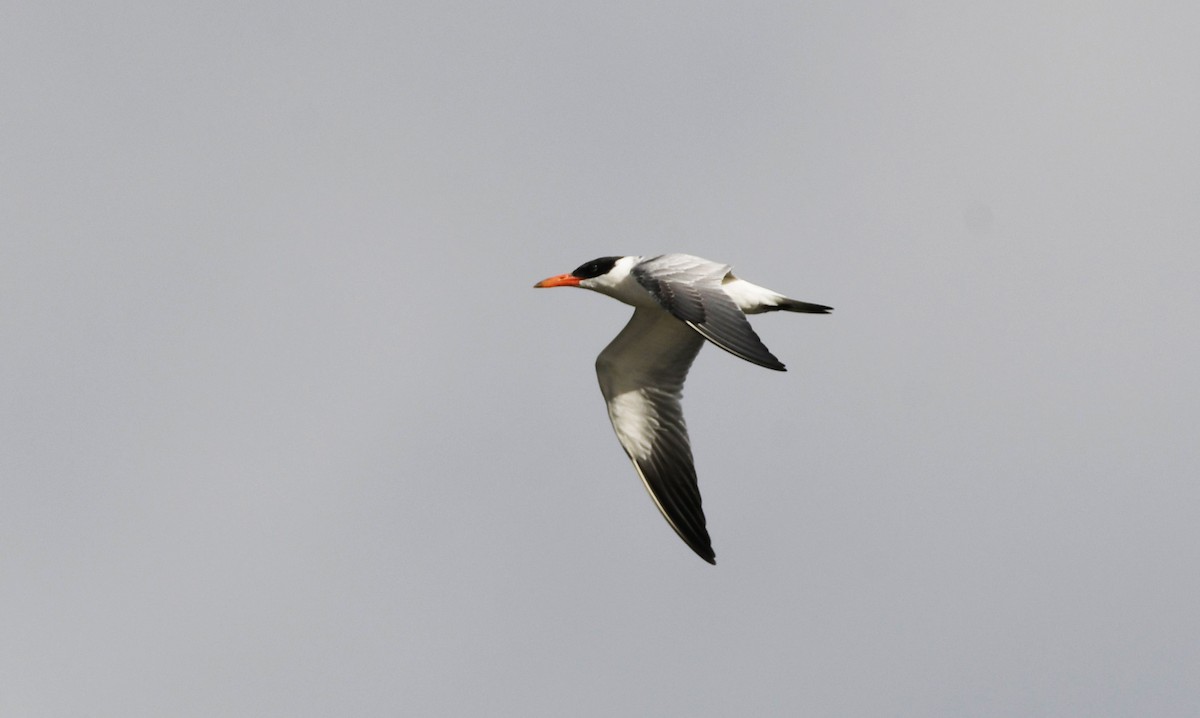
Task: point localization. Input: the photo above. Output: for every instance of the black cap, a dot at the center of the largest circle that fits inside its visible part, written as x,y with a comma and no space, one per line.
595,268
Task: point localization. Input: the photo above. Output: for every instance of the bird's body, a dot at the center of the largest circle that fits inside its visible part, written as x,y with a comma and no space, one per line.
679,301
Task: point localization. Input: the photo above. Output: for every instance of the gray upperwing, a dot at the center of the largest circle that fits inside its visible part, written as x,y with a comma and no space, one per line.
690,288
641,374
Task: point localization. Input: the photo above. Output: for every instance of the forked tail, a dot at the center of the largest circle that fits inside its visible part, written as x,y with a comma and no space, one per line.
791,305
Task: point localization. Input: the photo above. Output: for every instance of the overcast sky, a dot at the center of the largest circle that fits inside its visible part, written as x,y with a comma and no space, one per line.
286,431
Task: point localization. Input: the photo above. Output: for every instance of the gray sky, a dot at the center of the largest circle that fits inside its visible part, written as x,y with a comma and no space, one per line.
286,432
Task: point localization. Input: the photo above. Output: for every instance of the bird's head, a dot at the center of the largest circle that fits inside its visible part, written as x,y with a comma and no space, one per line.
598,274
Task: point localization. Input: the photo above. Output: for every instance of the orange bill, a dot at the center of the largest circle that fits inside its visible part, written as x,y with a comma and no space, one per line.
562,280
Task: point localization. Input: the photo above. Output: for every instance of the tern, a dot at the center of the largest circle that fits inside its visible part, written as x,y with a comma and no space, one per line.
679,301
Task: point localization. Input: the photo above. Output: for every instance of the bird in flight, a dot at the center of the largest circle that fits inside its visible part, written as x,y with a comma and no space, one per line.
679,301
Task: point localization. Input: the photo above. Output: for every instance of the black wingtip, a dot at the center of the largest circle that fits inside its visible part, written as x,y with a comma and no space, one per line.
777,365
759,354
700,544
